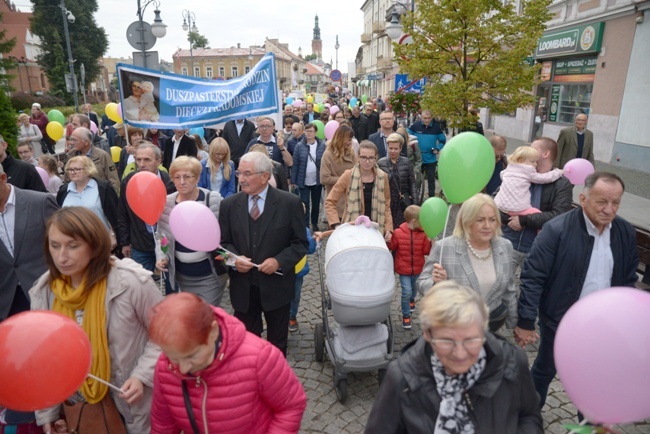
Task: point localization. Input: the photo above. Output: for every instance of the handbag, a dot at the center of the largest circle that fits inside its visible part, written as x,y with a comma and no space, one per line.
100,418
498,317
404,200
188,408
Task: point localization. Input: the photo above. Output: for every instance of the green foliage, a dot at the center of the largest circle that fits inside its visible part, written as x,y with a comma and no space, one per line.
473,53
310,57
198,40
6,64
403,103
8,121
88,42
23,101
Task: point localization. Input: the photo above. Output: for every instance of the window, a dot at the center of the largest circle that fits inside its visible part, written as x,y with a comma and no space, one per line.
575,99
222,71
247,69
184,70
208,72
234,72
197,71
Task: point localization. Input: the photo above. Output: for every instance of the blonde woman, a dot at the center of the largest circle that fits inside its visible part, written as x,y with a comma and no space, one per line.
338,157
29,134
218,172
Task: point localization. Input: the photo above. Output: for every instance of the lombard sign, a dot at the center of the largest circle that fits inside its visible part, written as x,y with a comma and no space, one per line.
575,40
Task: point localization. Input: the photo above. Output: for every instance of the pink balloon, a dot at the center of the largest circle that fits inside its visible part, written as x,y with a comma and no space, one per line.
577,170
297,103
119,110
602,355
334,109
330,129
195,226
44,176
327,105
93,126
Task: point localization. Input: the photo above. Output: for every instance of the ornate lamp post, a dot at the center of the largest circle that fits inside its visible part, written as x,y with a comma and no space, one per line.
67,16
336,47
189,25
148,33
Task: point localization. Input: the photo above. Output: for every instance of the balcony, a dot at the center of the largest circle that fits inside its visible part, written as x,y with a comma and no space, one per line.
378,27
384,63
365,38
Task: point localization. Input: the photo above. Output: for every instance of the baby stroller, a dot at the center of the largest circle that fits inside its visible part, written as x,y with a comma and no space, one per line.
360,286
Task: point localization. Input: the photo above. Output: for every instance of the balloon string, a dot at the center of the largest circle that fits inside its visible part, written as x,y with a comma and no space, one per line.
105,383
444,231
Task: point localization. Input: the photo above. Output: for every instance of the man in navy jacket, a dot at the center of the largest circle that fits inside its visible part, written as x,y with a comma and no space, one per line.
576,254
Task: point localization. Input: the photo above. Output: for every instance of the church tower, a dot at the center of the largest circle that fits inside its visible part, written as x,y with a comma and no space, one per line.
316,43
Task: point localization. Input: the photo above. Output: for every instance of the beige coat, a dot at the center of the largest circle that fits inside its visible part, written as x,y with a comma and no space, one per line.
130,295
341,191
330,172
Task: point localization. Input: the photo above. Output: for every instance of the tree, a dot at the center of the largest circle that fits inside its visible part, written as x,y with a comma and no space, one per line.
311,57
198,40
6,64
473,54
88,41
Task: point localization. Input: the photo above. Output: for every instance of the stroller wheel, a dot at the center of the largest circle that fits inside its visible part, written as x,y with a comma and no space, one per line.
381,374
342,390
319,342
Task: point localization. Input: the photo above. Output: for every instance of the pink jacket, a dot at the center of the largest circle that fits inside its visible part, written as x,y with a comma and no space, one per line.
249,388
514,193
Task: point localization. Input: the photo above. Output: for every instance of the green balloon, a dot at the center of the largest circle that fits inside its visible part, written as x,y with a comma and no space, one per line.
465,166
320,129
56,116
433,215
364,98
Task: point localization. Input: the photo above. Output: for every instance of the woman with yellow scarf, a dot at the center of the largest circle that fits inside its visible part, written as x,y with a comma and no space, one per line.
110,299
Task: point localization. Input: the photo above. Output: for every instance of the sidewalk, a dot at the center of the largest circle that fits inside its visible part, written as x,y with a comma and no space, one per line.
635,205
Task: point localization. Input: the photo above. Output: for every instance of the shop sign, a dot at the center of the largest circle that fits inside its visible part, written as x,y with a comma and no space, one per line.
582,39
585,65
555,103
545,73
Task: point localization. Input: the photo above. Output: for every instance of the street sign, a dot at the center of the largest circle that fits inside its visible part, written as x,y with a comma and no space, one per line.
335,75
403,84
136,34
151,56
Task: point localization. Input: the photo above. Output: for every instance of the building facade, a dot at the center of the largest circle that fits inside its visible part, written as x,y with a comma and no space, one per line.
595,55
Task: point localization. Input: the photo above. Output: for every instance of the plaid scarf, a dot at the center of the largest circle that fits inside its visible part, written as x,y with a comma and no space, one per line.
354,207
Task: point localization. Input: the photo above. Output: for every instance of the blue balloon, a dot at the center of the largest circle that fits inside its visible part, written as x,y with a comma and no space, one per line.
198,130
353,102
289,100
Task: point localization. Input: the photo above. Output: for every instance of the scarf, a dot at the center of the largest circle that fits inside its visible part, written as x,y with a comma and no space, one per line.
354,207
453,416
92,301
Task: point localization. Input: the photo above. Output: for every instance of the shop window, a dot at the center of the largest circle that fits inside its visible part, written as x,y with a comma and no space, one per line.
575,99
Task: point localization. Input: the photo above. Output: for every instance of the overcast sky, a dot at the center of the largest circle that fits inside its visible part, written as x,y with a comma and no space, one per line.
225,23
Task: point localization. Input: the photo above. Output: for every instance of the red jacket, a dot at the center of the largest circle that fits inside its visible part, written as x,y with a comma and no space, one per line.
249,388
410,248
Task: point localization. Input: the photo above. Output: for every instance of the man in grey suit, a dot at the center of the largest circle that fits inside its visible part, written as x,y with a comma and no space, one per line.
23,214
575,142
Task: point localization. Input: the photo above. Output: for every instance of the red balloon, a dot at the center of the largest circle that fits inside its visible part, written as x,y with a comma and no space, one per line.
146,196
45,359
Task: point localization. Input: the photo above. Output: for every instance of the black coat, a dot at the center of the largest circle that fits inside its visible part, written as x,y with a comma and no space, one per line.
22,175
503,400
282,236
372,123
131,230
107,197
238,142
360,127
186,147
407,186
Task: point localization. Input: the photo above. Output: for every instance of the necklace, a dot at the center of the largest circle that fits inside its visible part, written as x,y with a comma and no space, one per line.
475,253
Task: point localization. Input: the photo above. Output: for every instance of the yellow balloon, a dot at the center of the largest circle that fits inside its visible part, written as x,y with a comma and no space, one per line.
316,108
301,264
111,112
310,99
54,130
115,153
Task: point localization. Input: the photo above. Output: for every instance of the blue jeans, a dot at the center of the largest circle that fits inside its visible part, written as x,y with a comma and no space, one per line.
544,366
295,303
146,259
314,191
430,169
409,289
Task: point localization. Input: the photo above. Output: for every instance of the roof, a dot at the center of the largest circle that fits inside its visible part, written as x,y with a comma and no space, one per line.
221,52
313,69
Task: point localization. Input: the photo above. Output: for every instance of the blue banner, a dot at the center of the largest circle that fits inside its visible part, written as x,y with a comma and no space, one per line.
151,99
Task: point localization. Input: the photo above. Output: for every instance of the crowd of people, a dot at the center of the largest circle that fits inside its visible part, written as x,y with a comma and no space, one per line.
519,251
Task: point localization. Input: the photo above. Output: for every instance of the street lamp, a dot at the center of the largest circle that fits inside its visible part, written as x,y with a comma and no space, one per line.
189,25
67,16
336,47
394,28
149,33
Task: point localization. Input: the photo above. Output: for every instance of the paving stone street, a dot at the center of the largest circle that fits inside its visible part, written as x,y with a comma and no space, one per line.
325,414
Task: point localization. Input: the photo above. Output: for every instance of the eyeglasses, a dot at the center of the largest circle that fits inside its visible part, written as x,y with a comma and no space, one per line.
246,174
23,152
74,170
368,159
386,119
471,344
179,178
72,140
264,127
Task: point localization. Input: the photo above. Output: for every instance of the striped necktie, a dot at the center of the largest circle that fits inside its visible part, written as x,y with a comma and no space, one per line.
255,210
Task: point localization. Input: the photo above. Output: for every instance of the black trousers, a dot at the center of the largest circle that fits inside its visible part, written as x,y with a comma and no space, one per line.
277,320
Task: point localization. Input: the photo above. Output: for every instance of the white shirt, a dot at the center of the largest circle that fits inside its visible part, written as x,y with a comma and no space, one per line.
8,222
260,201
601,263
177,143
240,126
311,175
